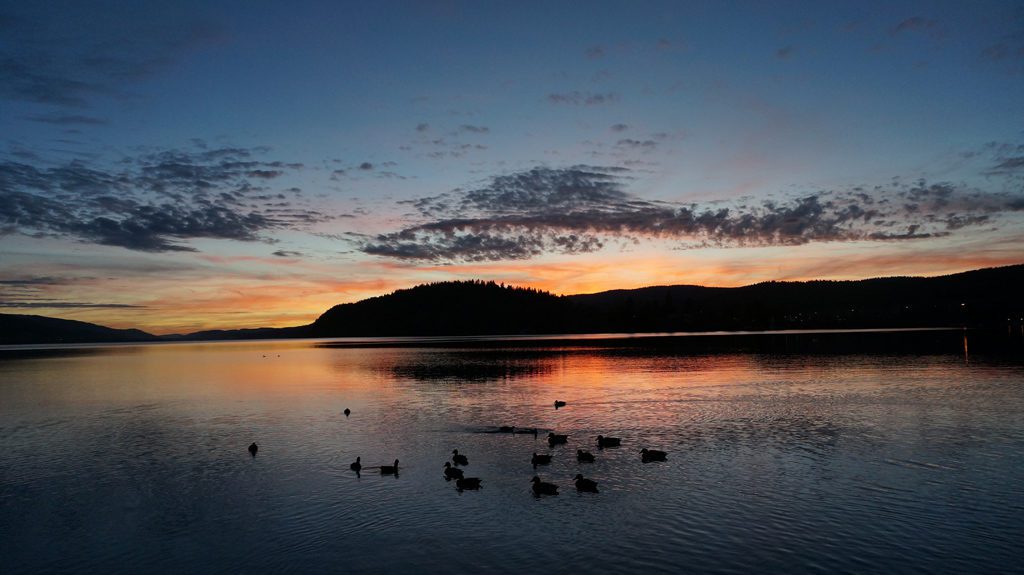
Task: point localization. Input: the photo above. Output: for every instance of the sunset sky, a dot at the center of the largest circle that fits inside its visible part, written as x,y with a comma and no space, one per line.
178,166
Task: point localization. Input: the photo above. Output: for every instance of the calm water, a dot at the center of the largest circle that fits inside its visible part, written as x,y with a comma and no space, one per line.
130,459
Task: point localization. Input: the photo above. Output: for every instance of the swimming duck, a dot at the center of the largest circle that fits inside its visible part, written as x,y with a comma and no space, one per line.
467,483
540,460
355,465
556,439
584,456
253,449
652,455
451,472
603,441
584,484
347,412
542,488
458,458
389,469
559,403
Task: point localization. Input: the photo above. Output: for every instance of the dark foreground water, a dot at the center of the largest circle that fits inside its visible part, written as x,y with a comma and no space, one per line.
131,459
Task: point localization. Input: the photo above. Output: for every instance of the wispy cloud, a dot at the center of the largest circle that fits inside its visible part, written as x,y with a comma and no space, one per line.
576,98
153,201
583,208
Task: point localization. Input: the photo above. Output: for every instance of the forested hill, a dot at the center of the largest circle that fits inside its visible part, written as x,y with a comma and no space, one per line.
981,298
449,308
20,329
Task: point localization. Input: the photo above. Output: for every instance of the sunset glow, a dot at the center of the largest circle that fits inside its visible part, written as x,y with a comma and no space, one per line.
197,166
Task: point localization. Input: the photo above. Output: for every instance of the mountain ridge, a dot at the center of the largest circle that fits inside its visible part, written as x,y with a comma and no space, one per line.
977,298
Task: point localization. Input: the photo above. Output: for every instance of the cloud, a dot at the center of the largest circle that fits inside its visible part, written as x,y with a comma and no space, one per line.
66,305
619,127
576,98
153,201
422,127
474,129
914,23
287,254
68,120
366,166
645,145
594,52
583,209
47,61
784,53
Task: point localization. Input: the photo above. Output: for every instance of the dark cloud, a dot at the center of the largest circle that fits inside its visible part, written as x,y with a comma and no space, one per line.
645,145
287,254
366,166
914,23
474,129
1008,165
422,127
577,98
66,305
153,201
55,61
584,208
619,127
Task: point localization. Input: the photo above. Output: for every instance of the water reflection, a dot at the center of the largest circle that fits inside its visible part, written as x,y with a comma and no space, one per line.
776,462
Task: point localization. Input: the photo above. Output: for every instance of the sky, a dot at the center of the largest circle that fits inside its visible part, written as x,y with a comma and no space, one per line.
178,166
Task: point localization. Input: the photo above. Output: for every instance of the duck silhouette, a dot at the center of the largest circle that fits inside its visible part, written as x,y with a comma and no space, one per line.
356,466
542,488
451,472
647,455
347,412
603,441
584,484
559,403
467,483
253,449
584,456
389,469
554,439
540,460
458,458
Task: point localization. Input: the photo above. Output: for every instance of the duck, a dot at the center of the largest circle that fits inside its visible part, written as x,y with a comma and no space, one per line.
389,469
459,459
652,455
603,441
467,483
451,472
542,488
347,412
584,484
559,403
540,460
355,465
253,449
556,439
584,456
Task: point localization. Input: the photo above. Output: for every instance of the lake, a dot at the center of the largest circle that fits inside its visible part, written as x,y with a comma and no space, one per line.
785,459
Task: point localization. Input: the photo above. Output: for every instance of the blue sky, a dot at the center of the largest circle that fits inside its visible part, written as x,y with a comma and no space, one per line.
225,164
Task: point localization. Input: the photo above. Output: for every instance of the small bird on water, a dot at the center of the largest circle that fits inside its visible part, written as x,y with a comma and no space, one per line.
467,483
347,412
542,488
356,466
584,456
458,458
389,469
603,441
647,455
540,460
555,439
253,449
451,472
584,484
559,403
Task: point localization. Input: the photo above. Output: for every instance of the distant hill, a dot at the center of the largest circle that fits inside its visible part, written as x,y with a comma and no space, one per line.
981,298
20,329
